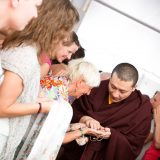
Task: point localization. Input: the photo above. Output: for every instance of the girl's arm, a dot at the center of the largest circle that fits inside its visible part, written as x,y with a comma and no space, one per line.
10,89
45,64
44,69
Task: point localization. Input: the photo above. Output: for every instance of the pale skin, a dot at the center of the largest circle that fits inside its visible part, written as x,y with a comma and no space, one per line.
10,91
118,89
57,69
79,88
14,14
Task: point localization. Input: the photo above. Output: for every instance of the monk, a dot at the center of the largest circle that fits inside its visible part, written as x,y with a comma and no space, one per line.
118,105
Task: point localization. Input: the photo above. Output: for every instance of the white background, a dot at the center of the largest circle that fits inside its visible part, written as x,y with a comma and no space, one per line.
110,38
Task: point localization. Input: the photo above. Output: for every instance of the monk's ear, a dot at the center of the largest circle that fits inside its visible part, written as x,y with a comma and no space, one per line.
14,3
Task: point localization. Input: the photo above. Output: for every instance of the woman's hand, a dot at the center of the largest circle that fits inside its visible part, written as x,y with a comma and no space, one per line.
59,69
75,126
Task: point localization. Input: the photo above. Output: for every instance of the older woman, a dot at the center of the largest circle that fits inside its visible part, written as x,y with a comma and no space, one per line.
82,77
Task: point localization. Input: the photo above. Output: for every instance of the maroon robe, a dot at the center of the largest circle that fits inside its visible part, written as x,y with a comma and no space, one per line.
129,121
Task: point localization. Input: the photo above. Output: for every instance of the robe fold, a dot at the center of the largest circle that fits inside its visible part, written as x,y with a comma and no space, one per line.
129,121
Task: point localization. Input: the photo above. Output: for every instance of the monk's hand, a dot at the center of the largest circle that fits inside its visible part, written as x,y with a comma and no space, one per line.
91,123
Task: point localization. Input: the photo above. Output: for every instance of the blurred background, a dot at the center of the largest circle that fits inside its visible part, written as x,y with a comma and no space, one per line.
114,31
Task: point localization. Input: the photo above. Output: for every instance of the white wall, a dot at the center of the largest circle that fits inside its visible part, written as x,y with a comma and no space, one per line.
111,38
146,10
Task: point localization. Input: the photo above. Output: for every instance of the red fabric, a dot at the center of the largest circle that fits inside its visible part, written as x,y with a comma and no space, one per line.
129,121
152,153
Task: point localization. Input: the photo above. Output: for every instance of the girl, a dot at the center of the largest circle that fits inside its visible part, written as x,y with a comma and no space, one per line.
19,89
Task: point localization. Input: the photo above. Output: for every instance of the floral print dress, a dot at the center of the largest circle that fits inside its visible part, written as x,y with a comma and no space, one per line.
54,88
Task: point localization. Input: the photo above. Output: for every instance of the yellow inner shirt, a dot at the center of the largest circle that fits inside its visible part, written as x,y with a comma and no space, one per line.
110,99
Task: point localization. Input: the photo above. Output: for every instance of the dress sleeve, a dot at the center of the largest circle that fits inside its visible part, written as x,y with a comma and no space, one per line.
44,58
21,60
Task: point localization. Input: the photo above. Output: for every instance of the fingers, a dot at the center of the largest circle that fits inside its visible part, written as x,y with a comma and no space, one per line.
75,126
91,123
105,134
99,134
107,129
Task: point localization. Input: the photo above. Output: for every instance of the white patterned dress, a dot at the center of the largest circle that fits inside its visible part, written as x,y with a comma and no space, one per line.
22,61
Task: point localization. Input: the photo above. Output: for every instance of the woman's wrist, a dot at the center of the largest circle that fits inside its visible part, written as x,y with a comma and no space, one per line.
70,128
81,132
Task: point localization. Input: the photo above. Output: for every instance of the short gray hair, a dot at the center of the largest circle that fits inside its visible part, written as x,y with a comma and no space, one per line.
79,68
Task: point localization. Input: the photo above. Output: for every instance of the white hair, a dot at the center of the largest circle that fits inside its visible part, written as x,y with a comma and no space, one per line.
79,68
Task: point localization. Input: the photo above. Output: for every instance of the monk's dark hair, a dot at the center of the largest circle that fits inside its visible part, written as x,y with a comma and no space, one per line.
126,72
